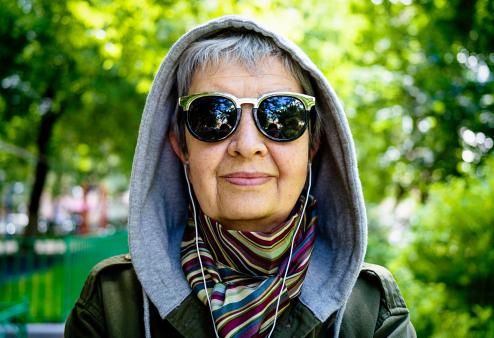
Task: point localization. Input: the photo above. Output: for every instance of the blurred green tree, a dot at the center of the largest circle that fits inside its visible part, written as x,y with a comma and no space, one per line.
449,262
51,66
422,103
422,114
73,83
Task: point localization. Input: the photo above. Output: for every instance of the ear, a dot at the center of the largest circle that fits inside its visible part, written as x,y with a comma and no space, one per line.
172,138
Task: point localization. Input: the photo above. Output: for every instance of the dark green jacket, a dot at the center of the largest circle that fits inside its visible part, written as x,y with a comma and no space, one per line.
111,305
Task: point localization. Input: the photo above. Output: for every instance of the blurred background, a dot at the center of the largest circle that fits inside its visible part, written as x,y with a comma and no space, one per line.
415,78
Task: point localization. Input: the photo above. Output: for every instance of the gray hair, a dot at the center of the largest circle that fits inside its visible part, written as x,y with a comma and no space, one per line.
249,49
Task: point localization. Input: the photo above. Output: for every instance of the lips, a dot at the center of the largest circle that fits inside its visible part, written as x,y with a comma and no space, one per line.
247,178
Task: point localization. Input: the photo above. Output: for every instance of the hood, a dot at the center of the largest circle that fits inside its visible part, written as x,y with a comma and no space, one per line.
159,200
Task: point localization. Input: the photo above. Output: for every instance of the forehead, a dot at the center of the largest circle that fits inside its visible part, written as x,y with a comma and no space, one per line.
267,75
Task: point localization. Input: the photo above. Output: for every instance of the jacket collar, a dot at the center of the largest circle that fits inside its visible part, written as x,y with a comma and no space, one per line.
192,318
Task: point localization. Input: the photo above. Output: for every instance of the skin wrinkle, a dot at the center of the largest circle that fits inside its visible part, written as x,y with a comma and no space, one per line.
251,208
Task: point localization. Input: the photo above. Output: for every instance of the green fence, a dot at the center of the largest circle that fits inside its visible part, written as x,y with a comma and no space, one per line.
48,273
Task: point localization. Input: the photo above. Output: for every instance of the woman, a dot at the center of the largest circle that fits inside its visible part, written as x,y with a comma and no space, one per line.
246,212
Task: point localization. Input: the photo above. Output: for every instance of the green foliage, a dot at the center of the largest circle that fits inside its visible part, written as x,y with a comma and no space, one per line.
422,103
379,249
436,312
447,271
52,65
454,234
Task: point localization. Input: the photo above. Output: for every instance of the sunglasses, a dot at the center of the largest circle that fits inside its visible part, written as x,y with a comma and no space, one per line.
280,116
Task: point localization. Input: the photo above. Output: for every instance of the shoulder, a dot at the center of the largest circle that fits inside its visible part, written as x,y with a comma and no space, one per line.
110,303
115,268
384,280
376,283
376,306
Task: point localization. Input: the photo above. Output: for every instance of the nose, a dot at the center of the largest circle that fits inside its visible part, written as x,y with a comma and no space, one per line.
247,141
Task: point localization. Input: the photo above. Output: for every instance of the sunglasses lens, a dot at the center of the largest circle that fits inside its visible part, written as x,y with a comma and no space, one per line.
211,118
282,118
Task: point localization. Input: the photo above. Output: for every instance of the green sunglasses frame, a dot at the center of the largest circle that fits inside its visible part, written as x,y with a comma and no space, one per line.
308,101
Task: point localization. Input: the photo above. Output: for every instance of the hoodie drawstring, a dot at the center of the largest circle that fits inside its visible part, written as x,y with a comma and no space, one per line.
339,320
147,319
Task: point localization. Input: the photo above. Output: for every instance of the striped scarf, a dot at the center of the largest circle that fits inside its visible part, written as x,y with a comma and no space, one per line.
244,270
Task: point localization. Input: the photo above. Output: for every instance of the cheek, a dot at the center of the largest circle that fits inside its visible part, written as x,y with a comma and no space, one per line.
202,168
203,164
202,179
292,164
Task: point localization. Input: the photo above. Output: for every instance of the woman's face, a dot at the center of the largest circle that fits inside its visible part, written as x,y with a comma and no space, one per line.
246,182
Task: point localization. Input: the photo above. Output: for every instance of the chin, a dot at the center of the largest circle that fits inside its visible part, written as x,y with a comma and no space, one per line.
246,213
253,217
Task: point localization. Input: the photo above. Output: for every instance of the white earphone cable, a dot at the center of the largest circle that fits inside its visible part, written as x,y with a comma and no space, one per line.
302,215
198,253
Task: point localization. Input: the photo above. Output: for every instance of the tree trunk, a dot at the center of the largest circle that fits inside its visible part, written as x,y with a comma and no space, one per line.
48,121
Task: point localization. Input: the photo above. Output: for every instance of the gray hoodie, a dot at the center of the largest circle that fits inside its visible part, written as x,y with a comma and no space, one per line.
158,197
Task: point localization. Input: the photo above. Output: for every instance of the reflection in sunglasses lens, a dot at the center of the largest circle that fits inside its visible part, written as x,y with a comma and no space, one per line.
212,118
282,117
